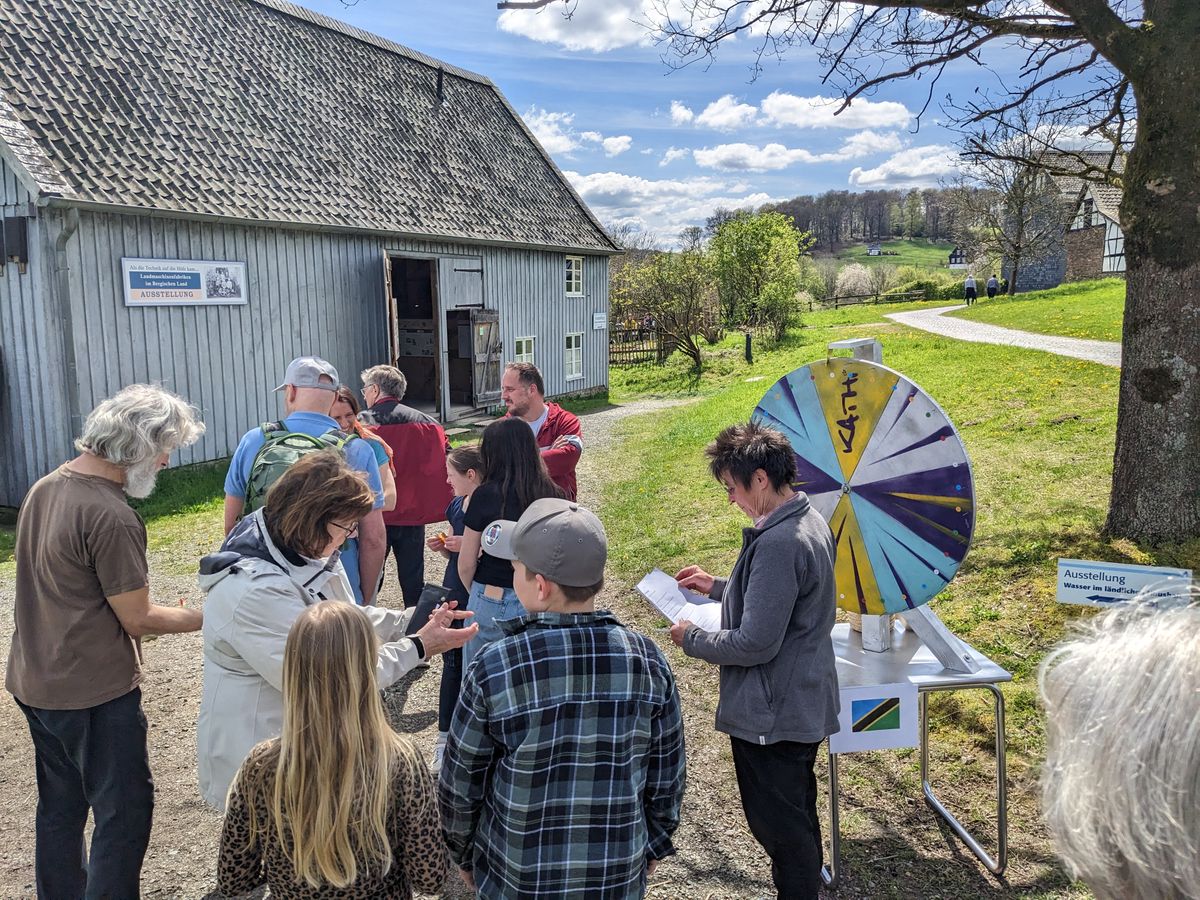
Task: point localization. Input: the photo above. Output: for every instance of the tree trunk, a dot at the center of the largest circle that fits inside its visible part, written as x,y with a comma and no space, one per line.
1156,468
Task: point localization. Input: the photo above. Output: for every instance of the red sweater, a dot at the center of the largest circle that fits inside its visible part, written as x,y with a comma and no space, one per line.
560,463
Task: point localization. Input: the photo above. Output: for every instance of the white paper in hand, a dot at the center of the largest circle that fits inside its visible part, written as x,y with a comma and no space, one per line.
677,603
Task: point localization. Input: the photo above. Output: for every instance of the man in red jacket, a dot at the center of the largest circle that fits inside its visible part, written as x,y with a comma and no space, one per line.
557,431
419,449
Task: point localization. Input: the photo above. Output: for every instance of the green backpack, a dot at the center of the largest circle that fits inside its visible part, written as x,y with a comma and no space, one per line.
280,449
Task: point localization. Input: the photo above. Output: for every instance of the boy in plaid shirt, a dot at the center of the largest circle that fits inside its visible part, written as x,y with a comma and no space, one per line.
564,770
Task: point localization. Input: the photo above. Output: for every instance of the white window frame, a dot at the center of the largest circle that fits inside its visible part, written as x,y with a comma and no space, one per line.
574,273
527,355
573,356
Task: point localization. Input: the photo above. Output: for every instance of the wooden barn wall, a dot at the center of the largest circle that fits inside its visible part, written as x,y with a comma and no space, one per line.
33,434
528,287
309,293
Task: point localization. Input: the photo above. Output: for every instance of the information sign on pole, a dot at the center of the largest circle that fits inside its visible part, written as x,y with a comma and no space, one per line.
1090,583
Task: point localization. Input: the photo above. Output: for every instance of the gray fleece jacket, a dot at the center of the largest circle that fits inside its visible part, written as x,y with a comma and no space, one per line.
778,676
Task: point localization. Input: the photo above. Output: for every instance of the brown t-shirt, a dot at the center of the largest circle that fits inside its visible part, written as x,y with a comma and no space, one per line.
78,542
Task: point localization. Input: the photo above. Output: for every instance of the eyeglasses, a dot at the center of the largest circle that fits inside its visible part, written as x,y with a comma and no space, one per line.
350,530
367,387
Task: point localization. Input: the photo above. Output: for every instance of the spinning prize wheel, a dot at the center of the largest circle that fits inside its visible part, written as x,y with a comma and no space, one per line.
881,462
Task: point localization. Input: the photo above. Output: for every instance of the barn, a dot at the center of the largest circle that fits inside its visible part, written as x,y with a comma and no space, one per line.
196,191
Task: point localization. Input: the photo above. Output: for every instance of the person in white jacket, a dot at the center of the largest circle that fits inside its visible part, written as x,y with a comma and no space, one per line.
274,564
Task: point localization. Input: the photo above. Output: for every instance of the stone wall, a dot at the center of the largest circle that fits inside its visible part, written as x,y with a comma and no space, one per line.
1085,253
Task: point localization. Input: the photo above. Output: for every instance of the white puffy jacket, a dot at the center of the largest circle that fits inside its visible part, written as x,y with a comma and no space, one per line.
254,595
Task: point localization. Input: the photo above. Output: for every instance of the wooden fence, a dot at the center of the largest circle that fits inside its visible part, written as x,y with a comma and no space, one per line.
637,347
854,299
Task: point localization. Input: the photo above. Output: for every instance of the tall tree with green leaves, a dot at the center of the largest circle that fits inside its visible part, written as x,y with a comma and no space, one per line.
1105,63
756,261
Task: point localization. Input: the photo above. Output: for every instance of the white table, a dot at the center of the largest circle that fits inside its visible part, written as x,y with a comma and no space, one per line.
910,660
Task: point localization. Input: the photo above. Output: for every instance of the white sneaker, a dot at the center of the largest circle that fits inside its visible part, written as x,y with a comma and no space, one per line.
439,751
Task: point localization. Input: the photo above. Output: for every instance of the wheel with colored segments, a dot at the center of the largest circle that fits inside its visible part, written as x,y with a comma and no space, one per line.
881,461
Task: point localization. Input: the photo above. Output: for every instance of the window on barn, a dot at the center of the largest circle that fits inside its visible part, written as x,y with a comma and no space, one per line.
573,355
574,276
523,350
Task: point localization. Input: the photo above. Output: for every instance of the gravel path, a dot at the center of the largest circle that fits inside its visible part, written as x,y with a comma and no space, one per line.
1106,353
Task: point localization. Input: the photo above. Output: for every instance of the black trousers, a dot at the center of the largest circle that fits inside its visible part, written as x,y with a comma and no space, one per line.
407,545
779,797
91,758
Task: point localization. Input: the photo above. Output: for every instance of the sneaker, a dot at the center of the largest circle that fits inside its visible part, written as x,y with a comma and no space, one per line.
439,751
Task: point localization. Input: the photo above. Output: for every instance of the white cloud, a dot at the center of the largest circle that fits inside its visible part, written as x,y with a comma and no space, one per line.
727,114
556,133
663,207
553,130
680,114
914,167
597,27
672,154
615,146
782,109
774,156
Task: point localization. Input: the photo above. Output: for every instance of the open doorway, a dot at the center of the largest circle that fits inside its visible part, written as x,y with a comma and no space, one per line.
460,364
415,330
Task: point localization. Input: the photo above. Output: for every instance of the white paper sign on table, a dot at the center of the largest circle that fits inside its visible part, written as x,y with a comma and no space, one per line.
876,717
676,603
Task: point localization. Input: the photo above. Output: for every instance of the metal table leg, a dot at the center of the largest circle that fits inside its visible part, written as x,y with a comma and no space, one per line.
997,865
829,872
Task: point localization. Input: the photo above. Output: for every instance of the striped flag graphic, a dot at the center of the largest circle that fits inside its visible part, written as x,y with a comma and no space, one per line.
877,714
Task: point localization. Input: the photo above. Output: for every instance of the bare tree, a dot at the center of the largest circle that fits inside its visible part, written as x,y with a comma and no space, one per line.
1104,62
881,278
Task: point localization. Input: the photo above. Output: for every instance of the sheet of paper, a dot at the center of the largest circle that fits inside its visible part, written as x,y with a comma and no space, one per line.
676,603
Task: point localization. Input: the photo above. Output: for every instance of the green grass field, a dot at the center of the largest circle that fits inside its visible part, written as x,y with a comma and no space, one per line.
1084,309
915,252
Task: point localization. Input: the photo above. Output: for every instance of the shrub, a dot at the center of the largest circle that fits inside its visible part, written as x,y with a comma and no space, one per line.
853,280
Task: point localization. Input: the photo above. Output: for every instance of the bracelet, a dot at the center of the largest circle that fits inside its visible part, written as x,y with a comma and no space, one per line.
419,644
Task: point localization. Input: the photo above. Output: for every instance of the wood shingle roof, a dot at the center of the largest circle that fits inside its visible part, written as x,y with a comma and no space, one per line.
264,111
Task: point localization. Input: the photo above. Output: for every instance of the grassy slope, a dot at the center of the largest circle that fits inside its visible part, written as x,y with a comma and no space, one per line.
1039,430
1085,309
915,252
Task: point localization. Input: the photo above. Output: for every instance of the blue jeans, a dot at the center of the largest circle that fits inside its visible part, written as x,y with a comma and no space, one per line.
488,612
349,558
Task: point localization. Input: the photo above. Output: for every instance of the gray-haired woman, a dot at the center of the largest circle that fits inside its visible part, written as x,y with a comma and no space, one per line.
779,693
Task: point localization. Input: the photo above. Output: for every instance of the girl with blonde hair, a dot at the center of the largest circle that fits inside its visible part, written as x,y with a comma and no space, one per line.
339,805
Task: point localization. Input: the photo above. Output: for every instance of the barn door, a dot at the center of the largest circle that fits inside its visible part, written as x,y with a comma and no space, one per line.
460,282
393,326
485,341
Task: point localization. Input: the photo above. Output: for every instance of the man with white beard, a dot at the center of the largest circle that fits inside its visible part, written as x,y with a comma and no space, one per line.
82,604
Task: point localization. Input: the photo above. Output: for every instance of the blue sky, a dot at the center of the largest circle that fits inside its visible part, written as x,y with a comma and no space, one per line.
662,148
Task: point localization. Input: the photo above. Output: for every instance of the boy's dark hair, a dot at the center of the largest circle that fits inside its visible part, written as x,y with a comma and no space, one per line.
572,593
528,374
741,450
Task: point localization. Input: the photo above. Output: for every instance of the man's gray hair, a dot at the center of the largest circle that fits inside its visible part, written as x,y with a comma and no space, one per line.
388,379
138,423
1121,785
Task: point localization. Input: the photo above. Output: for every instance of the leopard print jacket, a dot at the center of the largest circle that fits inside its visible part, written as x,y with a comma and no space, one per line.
419,858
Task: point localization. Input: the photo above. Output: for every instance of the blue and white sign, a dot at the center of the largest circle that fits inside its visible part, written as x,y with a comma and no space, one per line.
183,282
1091,583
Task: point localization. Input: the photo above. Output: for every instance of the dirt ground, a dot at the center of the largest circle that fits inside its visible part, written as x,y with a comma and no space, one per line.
892,844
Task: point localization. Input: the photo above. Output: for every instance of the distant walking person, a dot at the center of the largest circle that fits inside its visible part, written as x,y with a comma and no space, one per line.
419,449
82,605
969,289
557,432
993,285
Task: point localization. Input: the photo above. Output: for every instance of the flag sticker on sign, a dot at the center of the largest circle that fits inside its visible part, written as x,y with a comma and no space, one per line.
876,717
876,714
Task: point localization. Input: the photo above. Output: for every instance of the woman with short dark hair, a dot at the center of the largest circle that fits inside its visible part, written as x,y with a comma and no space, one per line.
779,693
275,563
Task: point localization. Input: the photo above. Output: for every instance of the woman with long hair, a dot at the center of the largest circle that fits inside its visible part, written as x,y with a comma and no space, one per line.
513,477
339,805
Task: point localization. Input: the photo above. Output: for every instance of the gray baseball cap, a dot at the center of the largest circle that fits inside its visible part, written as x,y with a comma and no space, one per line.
556,538
306,372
